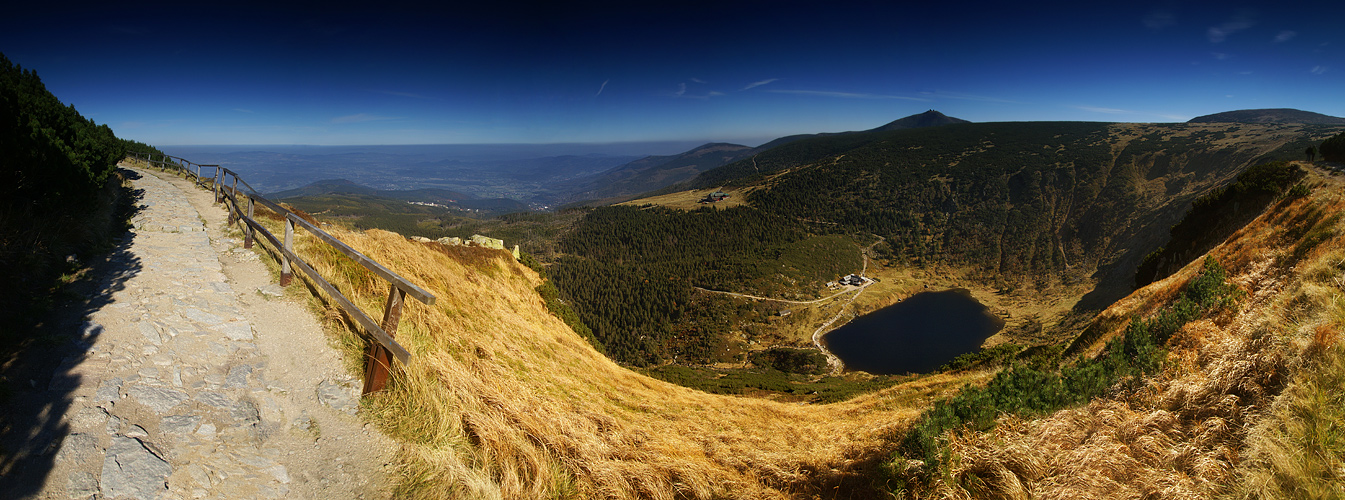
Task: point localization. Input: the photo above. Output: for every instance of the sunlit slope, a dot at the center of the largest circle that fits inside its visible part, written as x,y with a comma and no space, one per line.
1247,404
504,400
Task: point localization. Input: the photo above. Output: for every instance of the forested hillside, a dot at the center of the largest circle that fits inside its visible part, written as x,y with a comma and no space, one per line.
631,272
1031,201
57,199
1014,206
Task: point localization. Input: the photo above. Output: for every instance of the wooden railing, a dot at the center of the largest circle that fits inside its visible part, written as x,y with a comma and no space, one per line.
224,184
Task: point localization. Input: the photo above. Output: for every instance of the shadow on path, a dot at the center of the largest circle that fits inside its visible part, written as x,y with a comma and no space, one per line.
37,377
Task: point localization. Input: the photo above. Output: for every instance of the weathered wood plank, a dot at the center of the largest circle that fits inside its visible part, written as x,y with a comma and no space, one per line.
383,272
355,312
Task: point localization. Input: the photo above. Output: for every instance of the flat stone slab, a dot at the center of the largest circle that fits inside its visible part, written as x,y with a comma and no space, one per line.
132,470
179,424
161,399
338,395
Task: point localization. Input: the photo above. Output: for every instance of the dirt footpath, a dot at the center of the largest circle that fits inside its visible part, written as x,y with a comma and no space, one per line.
197,377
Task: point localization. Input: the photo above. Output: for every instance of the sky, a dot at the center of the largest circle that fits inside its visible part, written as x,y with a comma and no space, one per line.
330,73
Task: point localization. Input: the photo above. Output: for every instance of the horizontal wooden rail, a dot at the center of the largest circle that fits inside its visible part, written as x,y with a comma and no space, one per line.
379,354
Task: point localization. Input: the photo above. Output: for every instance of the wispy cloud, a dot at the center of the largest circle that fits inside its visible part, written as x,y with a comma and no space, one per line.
601,87
1110,111
681,90
361,117
1241,21
760,83
241,110
941,94
1219,56
401,94
1319,69
714,93
847,95
1159,19
1285,36
697,80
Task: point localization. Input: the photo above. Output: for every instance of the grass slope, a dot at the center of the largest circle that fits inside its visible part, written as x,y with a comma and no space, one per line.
502,400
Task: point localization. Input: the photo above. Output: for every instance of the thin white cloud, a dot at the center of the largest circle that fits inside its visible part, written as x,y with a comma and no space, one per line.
941,94
760,83
1317,70
1219,56
1110,111
847,95
714,93
1242,21
697,80
1285,36
681,90
1159,19
361,117
601,87
241,110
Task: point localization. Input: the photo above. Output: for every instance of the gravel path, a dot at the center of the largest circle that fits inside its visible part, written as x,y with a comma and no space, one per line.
197,377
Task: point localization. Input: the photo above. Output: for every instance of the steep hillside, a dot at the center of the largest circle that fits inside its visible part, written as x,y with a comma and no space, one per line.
501,400
1274,115
1243,400
929,118
654,172
1047,222
1040,201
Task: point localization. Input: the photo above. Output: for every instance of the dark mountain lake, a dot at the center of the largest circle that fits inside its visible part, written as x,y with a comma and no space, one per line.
916,335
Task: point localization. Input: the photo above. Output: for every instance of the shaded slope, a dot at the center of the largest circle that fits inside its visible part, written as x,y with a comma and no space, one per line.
1035,202
1272,115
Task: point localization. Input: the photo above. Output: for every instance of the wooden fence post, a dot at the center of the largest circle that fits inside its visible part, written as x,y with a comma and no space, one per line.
286,274
247,228
215,187
378,366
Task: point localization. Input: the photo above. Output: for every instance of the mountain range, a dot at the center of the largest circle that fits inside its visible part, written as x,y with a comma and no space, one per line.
1274,115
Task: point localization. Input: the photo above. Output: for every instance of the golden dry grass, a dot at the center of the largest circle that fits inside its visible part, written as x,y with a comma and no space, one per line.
502,400
1219,421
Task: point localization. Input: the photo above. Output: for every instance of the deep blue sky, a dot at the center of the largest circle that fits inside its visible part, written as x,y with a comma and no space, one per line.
381,73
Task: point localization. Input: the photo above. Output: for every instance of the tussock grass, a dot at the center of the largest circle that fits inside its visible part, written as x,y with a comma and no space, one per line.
1248,404
503,400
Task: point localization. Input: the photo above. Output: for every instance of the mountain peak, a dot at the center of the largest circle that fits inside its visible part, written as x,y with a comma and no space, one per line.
1271,115
929,118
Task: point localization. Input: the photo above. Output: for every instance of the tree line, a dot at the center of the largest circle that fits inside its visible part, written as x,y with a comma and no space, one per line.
631,271
59,195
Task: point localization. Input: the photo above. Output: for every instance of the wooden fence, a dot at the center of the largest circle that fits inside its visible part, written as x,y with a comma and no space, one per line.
224,184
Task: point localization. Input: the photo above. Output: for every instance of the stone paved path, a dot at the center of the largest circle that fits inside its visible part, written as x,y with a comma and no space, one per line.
199,380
